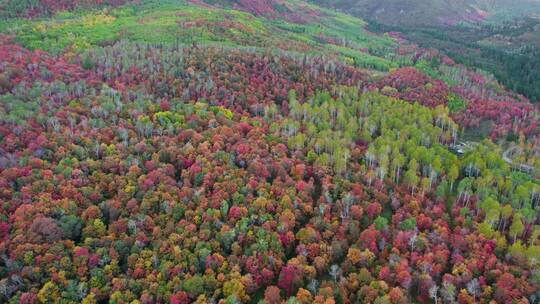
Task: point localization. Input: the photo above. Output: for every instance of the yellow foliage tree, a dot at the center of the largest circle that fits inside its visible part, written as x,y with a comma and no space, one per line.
234,287
49,293
89,299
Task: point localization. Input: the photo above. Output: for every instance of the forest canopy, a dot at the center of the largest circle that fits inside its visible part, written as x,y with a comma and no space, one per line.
255,152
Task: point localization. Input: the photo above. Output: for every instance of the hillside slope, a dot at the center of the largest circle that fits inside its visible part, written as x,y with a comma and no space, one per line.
309,30
433,13
499,36
221,152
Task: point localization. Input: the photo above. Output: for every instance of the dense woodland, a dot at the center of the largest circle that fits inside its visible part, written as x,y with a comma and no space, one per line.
181,172
517,69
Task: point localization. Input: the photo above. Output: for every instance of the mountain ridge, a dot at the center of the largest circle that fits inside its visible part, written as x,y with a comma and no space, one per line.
430,12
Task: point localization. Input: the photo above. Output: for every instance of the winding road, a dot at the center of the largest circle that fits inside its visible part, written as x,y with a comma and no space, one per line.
521,167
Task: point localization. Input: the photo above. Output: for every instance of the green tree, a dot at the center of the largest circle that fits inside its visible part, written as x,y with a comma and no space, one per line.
380,223
452,175
194,285
517,226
